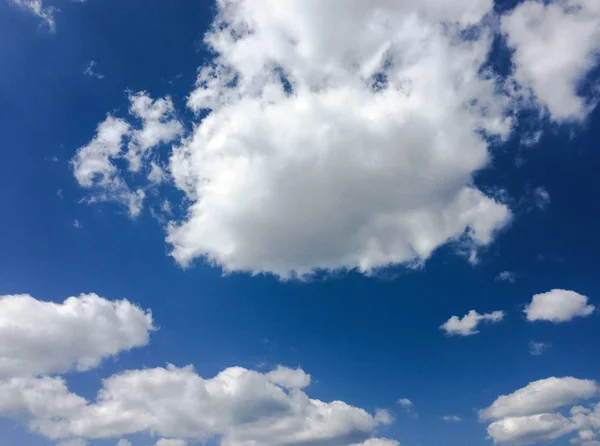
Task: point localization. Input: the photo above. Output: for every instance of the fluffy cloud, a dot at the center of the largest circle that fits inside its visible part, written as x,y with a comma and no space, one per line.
352,146
289,378
38,337
467,326
241,406
528,415
530,429
558,306
95,167
556,45
540,397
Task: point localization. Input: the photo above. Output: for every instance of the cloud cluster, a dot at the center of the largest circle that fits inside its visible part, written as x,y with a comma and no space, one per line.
95,165
556,45
240,407
468,324
529,414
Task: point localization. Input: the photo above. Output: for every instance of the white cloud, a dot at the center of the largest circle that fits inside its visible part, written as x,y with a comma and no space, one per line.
123,442
506,276
94,165
38,337
351,146
91,70
538,348
159,125
529,415
451,419
36,7
540,397
405,402
242,407
467,326
383,417
558,306
289,378
556,45
530,429
377,442
167,442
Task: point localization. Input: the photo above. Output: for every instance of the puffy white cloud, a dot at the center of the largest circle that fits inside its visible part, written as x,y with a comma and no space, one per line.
347,146
452,419
405,402
36,7
289,378
384,417
556,45
242,407
558,306
530,429
540,397
467,325
38,337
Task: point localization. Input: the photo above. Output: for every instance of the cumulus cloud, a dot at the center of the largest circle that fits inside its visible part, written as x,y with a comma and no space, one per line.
38,337
289,378
527,416
95,165
556,45
541,396
558,306
468,324
36,7
241,406
347,146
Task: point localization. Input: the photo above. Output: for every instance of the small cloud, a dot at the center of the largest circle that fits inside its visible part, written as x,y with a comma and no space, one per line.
506,276
90,70
77,224
467,325
383,416
405,402
558,306
59,193
37,8
542,198
451,419
538,348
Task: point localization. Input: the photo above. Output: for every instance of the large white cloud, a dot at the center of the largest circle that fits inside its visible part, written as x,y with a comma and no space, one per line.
529,415
351,145
541,396
38,337
558,306
556,45
468,324
241,406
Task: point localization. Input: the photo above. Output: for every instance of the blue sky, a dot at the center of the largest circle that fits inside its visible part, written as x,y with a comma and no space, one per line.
335,196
